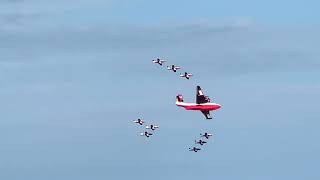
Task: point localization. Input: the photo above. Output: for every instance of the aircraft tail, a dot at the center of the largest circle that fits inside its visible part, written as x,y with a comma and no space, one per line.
199,91
179,98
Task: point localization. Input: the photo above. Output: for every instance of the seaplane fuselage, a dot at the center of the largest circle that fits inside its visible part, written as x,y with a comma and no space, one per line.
202,104
199,107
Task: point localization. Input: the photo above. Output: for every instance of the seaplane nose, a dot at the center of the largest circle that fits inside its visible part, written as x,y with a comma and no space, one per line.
219,106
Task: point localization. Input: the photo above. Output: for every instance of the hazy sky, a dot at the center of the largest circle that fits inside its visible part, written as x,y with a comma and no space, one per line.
75,74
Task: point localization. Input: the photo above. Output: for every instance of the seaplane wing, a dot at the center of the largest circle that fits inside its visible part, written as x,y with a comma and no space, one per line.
201,98
207,114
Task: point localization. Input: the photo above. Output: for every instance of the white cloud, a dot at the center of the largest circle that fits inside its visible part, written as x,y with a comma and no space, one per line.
18,13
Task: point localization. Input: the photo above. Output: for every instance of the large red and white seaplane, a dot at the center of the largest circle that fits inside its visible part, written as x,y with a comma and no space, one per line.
202,104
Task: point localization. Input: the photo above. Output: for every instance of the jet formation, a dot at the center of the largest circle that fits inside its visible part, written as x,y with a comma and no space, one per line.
172,67
203,104
200,142
146,133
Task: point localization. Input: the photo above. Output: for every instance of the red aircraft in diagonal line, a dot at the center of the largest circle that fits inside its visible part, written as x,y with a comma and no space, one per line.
159,61
173,68
202,104
186,75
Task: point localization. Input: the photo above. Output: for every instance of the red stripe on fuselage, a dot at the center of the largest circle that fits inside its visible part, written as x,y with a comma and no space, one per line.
201,107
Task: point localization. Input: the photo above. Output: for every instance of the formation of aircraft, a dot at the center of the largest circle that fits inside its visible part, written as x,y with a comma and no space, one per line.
202,103
146,133
173,68
159,61
200,142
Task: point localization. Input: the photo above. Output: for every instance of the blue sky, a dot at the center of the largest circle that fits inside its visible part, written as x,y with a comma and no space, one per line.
75,74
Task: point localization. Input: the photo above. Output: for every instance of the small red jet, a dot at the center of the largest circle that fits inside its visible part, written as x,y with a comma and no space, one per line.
206,135
139,121
201,142
195,149
202,104
186,75
152,127
146,134
173,68
159,61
